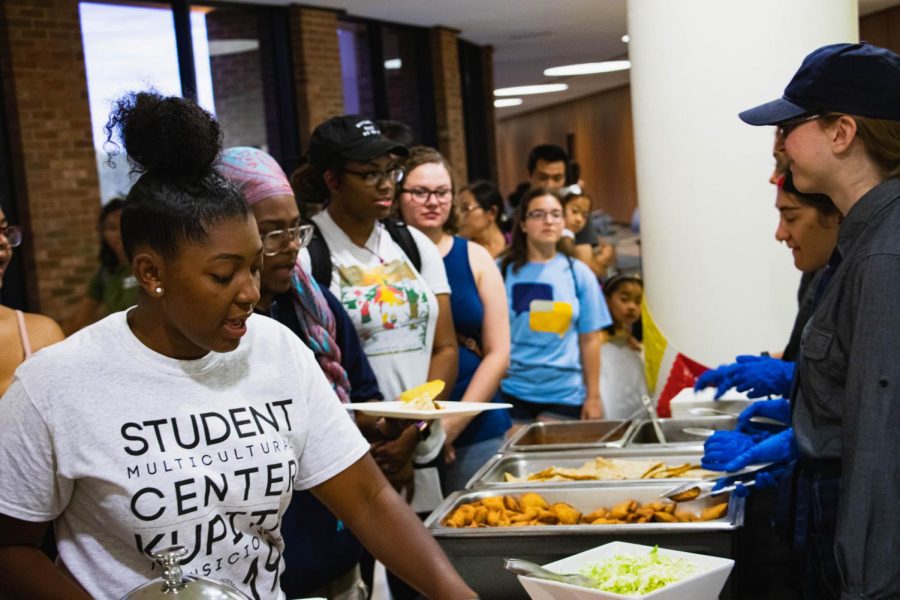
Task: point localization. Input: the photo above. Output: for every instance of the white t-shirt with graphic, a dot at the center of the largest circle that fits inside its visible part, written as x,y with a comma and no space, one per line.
130,452
391,304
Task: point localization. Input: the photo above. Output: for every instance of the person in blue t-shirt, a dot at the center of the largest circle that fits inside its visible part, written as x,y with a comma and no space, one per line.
556,315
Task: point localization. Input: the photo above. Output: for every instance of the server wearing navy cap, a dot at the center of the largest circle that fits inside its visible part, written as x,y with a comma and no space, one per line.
839,121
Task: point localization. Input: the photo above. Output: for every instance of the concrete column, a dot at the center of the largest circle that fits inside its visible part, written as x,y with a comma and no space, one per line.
317,67
717,282
53,162
448,104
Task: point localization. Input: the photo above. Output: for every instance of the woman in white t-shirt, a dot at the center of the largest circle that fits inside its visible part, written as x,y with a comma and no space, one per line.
395,290
185,421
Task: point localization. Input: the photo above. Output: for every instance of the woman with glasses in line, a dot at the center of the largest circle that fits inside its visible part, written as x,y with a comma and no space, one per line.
21,334
480,314
321,555
401,312
482,216
556,315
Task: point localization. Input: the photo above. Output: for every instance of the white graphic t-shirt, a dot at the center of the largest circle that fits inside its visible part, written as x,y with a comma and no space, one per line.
130,452
392,306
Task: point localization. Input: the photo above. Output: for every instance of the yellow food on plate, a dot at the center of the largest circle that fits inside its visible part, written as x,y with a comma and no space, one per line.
532,509
422,396
606,469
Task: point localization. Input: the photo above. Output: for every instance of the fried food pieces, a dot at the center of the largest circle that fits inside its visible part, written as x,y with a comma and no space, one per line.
605,469
533,509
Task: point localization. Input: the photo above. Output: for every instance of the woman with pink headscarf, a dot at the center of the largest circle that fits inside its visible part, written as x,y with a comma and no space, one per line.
321,555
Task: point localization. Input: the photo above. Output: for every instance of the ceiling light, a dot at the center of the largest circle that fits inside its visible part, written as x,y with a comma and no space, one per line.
626,38
393,63
588,68
525,90
233,46
504,102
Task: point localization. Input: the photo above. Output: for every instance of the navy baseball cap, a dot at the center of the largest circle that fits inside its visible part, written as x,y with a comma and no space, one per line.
856,79
350,137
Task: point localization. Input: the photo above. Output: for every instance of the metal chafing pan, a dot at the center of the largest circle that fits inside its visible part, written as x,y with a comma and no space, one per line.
643,434
567,435
477,554
522,463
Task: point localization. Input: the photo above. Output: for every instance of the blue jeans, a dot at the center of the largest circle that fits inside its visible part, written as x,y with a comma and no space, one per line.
468,460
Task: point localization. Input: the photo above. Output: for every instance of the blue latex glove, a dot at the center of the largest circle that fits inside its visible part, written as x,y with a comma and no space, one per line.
722,447
780,447
759,376
779,409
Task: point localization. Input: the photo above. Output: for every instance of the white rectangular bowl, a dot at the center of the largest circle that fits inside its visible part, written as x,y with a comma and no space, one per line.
705,584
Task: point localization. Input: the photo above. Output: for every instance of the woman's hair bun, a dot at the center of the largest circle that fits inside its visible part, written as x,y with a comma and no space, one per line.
165,136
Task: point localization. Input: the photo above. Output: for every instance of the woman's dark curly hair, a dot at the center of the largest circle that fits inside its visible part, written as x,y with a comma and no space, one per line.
108,258
173,143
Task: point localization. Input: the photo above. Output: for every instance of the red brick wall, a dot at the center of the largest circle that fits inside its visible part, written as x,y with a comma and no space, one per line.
448,105
317,67
52,154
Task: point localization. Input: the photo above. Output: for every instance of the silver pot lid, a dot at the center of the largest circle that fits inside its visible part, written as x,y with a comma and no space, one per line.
173,585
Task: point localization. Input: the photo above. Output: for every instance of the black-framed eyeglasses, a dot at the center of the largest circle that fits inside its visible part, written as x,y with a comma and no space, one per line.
421,195
786,127
372,178
12,234
278,240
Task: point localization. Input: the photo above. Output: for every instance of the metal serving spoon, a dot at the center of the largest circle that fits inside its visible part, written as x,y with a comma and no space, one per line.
530,569
705,412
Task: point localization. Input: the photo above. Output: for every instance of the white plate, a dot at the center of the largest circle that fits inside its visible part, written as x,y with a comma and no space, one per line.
401,410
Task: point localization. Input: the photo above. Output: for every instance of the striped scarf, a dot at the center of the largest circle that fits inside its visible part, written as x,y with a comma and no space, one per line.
318,326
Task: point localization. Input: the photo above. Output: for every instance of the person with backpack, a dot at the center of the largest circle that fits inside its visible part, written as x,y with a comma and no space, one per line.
392,282
556,315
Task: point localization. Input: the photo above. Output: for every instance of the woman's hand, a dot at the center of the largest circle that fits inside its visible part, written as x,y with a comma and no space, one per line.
592,408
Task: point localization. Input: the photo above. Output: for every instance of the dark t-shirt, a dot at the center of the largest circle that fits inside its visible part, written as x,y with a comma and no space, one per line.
587,235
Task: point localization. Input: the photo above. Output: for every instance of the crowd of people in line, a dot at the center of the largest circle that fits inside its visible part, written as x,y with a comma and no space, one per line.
244,307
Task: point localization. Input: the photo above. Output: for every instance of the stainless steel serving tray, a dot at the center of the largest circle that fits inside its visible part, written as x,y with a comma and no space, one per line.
566,435
643,434
522,463
477,554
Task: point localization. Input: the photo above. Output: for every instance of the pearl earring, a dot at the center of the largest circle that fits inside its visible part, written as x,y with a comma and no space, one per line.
158,290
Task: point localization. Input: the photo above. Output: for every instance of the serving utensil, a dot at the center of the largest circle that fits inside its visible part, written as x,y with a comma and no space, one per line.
651,412
530,569
705,484
699,431
706,412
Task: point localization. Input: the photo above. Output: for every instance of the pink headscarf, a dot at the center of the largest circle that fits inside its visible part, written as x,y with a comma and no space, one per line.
255,173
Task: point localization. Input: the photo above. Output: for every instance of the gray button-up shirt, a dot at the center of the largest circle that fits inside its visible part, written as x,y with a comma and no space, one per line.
847,404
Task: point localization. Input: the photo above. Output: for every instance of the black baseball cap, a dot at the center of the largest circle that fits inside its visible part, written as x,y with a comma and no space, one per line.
350,137
856,79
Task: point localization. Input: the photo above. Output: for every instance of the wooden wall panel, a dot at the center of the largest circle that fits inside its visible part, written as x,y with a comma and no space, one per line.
603,145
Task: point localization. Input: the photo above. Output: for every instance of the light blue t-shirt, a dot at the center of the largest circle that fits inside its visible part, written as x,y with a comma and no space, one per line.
550,304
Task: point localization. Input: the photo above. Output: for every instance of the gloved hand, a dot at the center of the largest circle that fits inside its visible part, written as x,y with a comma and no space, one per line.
779,409
722,447
780,447
759,376
762,480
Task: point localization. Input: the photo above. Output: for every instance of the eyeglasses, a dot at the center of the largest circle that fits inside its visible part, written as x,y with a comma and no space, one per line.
421,195
465,209
542,215
278,240
372,178
786,127
12,234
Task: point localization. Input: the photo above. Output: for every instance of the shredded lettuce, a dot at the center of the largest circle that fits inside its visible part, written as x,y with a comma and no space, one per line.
633,575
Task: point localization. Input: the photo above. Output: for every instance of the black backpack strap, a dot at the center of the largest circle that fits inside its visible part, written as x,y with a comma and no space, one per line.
319,258
574,277
400,234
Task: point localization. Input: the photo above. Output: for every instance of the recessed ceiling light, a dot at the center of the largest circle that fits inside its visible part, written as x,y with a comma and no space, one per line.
588,68
525,90
393,63
626,38
233,46
504,102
